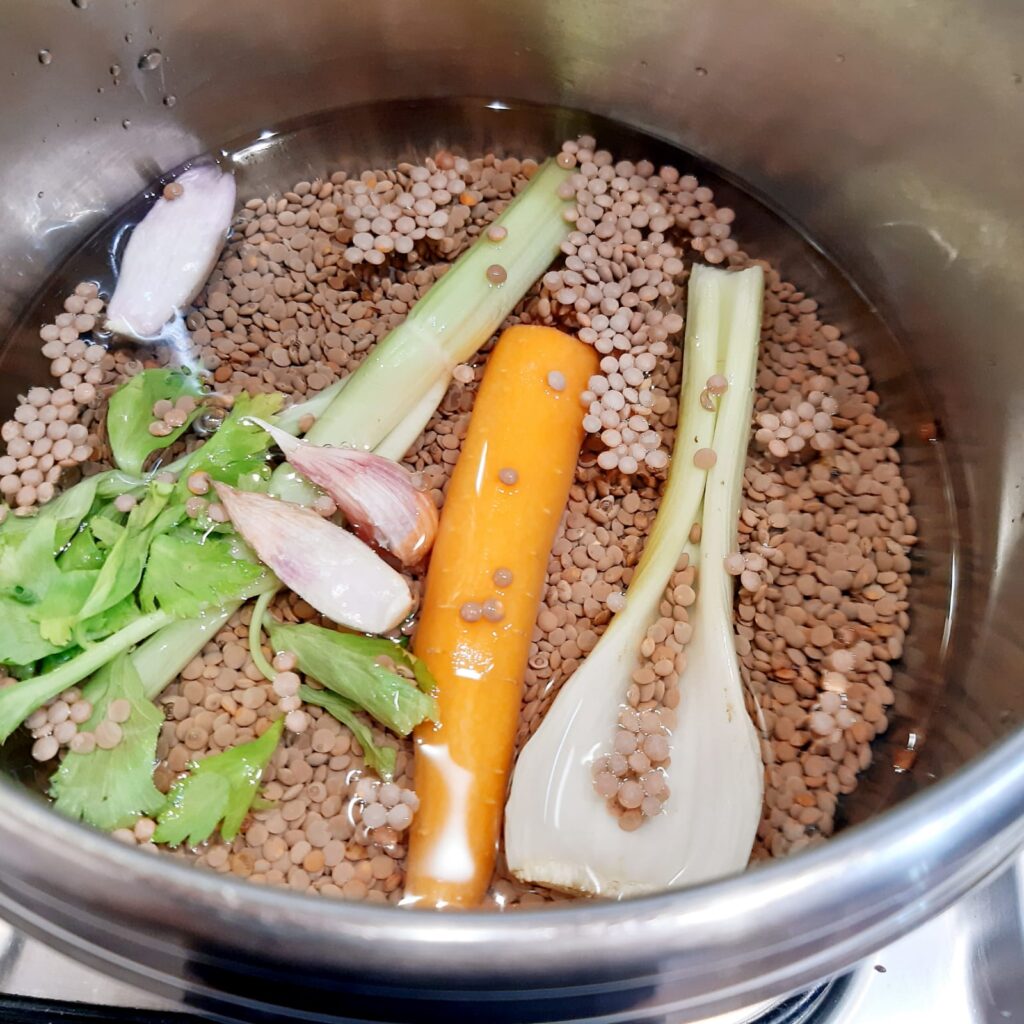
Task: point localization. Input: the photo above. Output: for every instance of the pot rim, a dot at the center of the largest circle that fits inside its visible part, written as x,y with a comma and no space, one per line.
909,862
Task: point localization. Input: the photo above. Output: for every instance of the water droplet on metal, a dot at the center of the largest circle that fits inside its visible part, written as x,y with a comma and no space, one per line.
151,60
127,37
45,57
170,100
126,123
702,72
115,70
80,4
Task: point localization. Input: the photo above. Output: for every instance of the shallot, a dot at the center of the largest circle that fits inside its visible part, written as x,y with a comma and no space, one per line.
171,252
376,495
324,564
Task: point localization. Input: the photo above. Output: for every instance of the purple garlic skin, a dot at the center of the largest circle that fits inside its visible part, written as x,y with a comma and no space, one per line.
171,252
325,565
377,496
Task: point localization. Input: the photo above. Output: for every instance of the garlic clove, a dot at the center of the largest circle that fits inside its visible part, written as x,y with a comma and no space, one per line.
171,252
377,496
325,565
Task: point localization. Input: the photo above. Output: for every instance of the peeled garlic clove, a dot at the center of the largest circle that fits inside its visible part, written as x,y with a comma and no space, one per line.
376,495
171,252
325,565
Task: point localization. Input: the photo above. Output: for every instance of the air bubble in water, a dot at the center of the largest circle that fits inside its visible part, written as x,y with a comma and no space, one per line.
151,60
207,423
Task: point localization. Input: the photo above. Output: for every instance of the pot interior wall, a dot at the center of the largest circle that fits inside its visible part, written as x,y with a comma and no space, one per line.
868,125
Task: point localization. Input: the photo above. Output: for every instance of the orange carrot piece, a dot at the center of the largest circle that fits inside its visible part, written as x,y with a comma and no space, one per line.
506,498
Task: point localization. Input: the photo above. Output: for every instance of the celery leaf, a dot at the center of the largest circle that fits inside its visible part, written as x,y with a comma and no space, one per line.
186,573
130,414
27,564
357,668
20,640
126,560
238,450
112,788
380,759
82,552
219,790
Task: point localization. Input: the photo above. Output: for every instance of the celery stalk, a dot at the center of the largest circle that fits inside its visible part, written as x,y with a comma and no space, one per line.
159,660
289,418
444,328
18,702
404,436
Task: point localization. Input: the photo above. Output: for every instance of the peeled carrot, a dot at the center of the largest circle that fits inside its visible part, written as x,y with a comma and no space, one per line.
506,498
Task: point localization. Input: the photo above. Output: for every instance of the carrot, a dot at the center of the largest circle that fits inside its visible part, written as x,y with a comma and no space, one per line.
506,498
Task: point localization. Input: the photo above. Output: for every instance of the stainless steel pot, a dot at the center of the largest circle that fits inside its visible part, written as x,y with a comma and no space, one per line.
891,132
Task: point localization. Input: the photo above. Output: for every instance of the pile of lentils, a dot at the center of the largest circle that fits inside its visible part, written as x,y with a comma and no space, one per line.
632,777
621,277
309,281
51,429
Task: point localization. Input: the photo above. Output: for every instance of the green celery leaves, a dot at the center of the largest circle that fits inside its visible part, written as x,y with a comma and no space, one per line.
131,412
20,640
380,759
218,791
357,668
126,558
237,453
112,788
187,573
27,563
